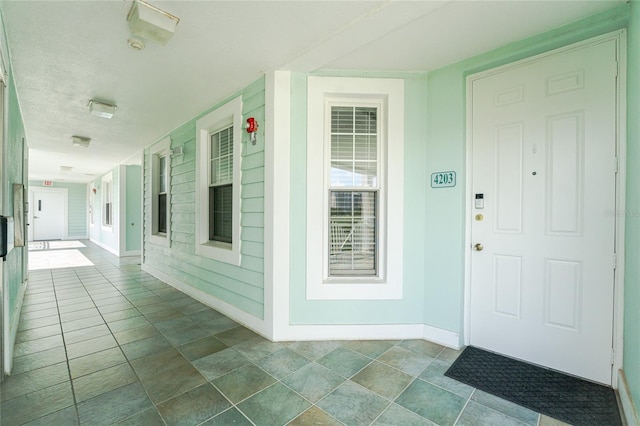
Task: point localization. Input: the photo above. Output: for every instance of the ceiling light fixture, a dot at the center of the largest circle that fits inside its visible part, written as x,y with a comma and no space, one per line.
151,23
101,109
80,141
66,169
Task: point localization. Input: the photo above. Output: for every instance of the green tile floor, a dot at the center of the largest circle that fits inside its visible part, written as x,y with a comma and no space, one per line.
110,344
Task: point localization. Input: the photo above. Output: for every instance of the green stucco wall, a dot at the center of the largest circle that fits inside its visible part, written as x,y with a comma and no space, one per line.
407,310
446,138
241,286
632,243
444,260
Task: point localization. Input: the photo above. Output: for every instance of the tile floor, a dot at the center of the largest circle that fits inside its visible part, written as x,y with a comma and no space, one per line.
110,344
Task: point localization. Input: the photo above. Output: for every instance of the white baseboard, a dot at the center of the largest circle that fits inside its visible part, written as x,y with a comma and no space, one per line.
238,315
314,332
106,247
628,407
351,332
442,337
13,330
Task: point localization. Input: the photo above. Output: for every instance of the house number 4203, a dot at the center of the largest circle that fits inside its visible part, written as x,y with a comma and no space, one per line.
443,179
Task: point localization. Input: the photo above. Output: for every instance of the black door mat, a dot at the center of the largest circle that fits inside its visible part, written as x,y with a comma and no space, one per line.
566,398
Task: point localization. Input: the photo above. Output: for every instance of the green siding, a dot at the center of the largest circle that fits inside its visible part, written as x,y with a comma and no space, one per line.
77,209
13,172
243,286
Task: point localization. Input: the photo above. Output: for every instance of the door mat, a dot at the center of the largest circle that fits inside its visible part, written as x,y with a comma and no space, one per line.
567,398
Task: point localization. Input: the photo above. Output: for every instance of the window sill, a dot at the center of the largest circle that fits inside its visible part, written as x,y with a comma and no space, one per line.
160,239
222,252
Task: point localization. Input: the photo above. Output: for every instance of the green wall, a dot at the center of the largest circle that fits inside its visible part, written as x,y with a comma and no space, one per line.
77,208
241,286
408,310
446,117
444,242
632,243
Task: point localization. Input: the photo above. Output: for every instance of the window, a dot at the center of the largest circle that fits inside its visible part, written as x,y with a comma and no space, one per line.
160,157
219,151
107,200
353,191
162,195
221,186
92,192
355,188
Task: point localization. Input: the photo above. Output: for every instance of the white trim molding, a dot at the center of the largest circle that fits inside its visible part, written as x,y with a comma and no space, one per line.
228,114
629,410
387,285
158,150
620,37
277,186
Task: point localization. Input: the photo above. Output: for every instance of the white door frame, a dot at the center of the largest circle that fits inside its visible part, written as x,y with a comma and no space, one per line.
32,208
621,147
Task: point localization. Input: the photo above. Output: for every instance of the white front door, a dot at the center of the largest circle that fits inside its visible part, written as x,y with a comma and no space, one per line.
48,215
543,140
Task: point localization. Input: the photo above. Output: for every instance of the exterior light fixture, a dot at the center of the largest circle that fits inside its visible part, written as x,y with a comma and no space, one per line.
80,141
101,109
151,23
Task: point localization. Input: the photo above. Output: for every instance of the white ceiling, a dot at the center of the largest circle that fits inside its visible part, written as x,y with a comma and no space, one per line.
65,53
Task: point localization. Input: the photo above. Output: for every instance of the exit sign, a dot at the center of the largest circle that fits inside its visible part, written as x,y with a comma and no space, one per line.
47,183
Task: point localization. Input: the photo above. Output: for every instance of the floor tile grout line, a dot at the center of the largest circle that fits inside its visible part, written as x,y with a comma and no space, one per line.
372,359
128,361
66,353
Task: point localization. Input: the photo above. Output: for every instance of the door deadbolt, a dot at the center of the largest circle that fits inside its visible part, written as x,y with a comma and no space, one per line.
478,247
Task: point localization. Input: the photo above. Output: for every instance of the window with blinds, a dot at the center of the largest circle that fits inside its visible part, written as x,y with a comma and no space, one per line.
221,186
353,191
107,202
162,194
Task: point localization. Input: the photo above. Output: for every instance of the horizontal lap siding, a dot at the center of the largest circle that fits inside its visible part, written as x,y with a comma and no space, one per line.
241,286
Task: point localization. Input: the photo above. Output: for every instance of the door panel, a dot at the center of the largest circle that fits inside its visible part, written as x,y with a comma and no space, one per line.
543,154
48,215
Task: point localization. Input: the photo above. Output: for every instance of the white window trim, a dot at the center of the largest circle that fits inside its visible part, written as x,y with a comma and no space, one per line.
160,149
228,114
107,178
388,284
